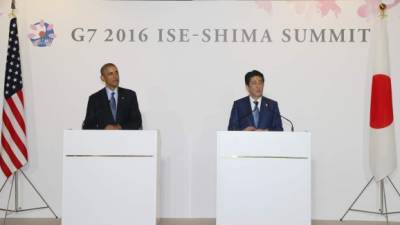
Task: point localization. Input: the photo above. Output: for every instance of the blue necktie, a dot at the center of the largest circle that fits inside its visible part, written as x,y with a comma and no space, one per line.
113,105
256,114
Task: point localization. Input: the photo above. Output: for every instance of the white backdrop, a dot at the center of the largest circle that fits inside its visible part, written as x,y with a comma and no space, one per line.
186,90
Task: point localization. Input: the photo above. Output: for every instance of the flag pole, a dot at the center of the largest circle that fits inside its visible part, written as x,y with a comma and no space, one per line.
382,8
383,205
12,14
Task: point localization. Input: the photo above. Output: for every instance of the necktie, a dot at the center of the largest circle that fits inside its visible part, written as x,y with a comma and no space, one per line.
256,114
113,105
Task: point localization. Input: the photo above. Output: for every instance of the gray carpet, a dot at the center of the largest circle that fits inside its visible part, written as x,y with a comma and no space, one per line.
13,221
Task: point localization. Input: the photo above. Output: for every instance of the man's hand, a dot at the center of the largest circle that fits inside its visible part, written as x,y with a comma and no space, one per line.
113,127
262,130
250,129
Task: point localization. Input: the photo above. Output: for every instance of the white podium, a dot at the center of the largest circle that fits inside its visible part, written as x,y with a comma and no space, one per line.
263,178
110,177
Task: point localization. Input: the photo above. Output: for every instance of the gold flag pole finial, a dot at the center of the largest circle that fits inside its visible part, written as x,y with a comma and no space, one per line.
382,8
12,14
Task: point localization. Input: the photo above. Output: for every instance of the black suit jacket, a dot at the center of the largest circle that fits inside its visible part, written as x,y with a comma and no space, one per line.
98,113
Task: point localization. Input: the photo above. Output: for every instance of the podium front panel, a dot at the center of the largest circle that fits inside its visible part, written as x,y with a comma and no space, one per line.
263,178
110,177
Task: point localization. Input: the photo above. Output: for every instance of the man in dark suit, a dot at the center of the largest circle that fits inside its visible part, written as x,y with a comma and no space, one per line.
255,112
113,107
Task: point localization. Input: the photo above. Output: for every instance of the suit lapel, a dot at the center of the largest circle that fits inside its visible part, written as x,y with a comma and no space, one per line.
121,100
106,102
263,111
251,112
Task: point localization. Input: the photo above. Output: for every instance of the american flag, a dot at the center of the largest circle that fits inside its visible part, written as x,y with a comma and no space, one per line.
13,151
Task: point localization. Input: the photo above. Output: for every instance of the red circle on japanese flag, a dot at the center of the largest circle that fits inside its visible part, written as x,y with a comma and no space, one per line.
381,114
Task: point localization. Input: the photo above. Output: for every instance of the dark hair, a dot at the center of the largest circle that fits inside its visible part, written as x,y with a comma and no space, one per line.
251,74
105,66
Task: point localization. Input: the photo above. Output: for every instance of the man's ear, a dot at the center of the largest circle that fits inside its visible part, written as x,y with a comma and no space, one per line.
102,78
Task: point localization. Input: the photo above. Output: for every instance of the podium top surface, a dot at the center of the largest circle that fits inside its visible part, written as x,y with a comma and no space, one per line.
111,142
264,144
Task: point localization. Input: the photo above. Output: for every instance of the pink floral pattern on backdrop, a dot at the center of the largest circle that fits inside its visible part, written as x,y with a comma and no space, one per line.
327,7
322,7
265,5
370,7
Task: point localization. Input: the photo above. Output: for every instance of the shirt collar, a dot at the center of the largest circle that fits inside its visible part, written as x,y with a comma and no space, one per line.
109,91
254,105
257,100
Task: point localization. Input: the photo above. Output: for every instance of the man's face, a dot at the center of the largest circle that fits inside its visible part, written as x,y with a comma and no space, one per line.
255,87
111,77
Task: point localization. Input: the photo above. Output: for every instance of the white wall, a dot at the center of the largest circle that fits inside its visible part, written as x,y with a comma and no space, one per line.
186,90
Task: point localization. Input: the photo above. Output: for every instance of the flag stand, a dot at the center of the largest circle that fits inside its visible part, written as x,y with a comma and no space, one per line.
383,211
8,95
15,187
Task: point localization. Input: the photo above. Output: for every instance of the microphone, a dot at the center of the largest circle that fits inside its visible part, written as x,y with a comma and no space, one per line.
291,124
285,118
